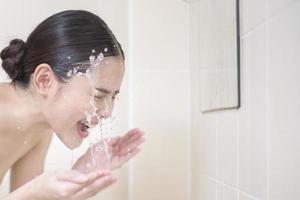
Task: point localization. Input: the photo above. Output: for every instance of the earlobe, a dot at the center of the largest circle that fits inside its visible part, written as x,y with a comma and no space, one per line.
43,79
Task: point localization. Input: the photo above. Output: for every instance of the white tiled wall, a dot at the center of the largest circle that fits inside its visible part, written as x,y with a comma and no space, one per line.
253,153
160,97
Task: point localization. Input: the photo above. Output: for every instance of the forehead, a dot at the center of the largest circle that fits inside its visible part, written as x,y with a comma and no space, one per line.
105,74
109,70
108,66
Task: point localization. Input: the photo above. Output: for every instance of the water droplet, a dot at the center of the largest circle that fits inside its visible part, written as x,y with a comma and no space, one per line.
100,57
93,51
69,57
106,49
88,165
97,148
79,74
75,71
69,73
92,59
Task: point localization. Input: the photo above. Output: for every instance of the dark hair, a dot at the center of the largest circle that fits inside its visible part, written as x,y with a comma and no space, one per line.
61,40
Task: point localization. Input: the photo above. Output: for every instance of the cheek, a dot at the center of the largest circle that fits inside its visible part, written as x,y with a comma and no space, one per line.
76,100
69,109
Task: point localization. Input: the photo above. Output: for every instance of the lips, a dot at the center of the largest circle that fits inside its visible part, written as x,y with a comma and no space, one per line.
82,129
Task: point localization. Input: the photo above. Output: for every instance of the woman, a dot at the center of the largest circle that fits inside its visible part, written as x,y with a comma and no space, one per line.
57,86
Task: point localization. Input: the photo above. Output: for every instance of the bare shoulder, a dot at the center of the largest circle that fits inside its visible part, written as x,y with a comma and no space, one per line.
4,102
45,137
4,116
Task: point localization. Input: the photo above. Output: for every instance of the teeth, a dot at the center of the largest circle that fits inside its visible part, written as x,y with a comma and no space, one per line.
82,127
84,123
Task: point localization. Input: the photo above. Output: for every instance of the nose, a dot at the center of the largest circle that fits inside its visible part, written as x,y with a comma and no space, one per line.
104,109
105,113
101,114
94,121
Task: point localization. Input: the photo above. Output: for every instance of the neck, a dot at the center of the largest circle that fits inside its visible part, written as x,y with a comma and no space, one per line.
25,109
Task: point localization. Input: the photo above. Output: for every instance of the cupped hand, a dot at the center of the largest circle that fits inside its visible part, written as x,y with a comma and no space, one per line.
64,185
120,150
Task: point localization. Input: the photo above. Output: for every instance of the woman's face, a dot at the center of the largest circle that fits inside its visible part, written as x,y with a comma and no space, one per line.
85,99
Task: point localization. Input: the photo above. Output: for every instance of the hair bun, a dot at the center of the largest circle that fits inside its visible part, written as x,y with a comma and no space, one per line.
11,58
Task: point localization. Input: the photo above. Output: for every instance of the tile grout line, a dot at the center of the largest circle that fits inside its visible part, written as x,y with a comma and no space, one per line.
278,11
267,19
189,164
216,118
253,29
238,156
130,90
237,117
267,105
230,187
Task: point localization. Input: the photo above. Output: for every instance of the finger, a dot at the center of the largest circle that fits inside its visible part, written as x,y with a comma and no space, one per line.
67,189
107,141
93,176
132,145
95,187
124,147
72,176
130,134
133,138
119,141
99,185
114,140
131,154
70,188
69,182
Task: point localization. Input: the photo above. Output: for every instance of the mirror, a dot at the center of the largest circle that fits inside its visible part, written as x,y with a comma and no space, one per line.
215,38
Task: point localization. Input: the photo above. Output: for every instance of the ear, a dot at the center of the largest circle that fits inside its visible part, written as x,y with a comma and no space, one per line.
44,80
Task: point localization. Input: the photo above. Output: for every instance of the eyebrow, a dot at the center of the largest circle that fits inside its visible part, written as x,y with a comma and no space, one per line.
107,91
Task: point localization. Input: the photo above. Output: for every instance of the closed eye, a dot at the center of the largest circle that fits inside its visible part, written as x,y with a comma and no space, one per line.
99,97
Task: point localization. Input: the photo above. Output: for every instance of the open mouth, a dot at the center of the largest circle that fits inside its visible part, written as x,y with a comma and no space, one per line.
82,128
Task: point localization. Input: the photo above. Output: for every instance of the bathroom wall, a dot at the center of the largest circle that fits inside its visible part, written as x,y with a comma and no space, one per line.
159,96
252,153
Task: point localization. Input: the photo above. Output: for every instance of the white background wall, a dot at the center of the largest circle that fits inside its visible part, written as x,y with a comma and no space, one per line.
160,97
253,153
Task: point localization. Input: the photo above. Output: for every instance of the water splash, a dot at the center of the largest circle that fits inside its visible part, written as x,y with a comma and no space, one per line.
72,158
100,141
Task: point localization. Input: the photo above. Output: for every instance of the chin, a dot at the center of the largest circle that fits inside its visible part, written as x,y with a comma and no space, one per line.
70,140
72,144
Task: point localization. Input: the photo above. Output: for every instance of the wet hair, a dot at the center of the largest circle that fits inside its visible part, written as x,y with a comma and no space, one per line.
61,40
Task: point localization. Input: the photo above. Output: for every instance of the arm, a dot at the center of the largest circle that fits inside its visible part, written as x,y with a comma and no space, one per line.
31,164
68,184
